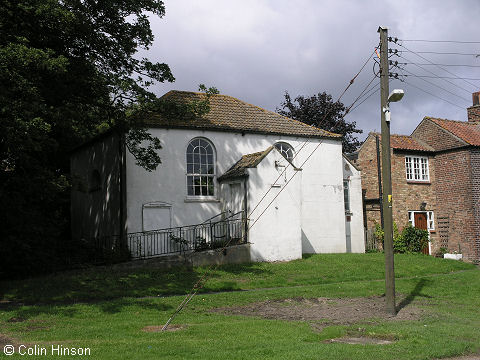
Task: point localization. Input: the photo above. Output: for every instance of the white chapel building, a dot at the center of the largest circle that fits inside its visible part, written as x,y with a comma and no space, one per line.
289,181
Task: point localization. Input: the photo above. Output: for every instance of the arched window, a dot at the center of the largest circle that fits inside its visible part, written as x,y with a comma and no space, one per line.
286,150
200,168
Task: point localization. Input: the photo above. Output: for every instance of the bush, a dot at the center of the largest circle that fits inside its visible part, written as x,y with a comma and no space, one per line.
379,234
411,240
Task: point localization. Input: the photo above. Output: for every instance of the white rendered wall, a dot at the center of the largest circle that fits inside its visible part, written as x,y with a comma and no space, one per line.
356,207
323,221
275,230
322,209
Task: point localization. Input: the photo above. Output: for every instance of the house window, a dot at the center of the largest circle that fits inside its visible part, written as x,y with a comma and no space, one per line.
430,222
200,168
346,195
286,150
416,168
430,219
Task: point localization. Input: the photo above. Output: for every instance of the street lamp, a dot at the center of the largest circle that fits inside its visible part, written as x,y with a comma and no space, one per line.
395,95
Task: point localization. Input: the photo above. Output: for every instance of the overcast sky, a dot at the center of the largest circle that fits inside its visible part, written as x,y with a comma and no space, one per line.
255,50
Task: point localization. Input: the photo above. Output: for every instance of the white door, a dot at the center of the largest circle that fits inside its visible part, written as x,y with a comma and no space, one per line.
157,216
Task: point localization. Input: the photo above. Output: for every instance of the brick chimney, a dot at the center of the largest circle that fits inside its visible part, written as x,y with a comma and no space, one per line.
474,110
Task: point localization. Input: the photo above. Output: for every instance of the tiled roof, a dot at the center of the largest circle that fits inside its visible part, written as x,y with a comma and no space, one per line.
230,114
467,131
247,161
405,142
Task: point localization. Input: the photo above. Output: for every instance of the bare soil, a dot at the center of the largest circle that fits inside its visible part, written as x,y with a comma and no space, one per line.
336,311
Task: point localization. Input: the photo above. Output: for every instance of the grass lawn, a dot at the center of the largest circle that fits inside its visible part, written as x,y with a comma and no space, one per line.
106,309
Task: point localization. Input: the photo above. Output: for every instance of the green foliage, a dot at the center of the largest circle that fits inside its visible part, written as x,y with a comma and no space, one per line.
379,234
140,143
320,111
411,240
69,70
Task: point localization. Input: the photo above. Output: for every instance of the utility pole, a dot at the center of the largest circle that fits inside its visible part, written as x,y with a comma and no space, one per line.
386,176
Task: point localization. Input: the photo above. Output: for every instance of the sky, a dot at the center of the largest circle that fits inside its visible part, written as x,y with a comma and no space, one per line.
255,50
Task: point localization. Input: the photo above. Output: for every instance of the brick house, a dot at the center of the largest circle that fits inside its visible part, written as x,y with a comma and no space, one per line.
435,181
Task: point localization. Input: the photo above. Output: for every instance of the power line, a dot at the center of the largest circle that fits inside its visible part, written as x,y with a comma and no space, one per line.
361,94
361,102
427,92
358,73
449,72
446,77
432,83
441,41
396,51
459,65
431,72
285,185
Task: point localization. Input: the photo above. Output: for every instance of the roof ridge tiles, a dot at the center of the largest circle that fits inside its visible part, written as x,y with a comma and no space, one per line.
230,113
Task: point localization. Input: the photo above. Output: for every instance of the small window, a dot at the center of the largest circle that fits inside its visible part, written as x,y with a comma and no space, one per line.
200,168
286,150
346,195
430,222
416,168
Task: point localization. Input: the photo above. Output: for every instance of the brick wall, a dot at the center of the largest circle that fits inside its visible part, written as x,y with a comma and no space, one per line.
410,196
475,168
407,196
433,135
367,163
455,200
473,113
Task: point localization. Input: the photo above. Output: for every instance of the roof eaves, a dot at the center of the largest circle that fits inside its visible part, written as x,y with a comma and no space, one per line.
226,128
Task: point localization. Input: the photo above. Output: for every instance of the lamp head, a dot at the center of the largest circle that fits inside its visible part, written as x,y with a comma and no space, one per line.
395,95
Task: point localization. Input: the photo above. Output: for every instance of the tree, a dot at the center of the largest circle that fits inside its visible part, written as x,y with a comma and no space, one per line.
320,111
68,71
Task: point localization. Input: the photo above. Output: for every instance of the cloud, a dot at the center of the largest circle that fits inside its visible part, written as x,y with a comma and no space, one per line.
255,50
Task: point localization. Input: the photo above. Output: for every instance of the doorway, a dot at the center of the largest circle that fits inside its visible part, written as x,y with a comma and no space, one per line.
420,221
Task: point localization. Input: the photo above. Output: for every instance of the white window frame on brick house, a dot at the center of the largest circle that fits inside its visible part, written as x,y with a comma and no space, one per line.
416,168
430,219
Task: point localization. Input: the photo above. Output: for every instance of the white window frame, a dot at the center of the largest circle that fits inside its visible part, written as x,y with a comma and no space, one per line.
417,169
430,219
286,150
193,174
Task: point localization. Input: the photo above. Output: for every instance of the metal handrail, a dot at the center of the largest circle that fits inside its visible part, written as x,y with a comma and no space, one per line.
213,217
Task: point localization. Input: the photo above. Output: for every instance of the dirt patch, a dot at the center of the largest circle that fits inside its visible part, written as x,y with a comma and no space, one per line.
16,319
158,328
362,340
329,310
5,340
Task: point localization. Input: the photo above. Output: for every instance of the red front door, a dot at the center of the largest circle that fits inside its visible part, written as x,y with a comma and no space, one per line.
421,223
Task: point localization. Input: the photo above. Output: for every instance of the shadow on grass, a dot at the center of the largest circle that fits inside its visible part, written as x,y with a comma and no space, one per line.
98,284
22,313
416,292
